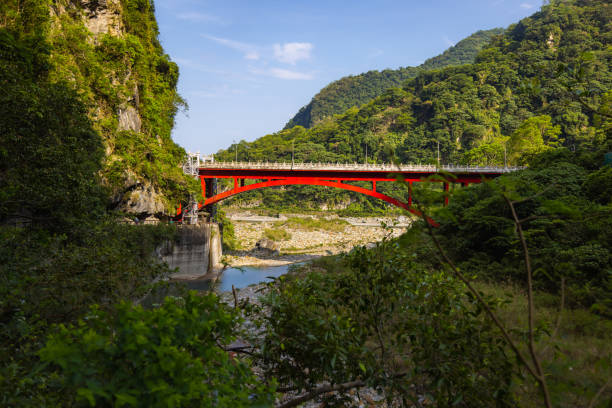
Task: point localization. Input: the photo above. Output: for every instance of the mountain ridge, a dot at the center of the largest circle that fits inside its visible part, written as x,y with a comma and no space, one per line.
355,90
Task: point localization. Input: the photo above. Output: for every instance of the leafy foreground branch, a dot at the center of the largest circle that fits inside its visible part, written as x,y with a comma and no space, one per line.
533,363
382,320
170,356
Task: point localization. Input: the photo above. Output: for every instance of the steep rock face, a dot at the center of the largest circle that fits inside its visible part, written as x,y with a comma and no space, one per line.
139,197
103,17
129,119
110,51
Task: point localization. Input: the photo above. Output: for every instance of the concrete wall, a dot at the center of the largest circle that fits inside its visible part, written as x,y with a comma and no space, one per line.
196,251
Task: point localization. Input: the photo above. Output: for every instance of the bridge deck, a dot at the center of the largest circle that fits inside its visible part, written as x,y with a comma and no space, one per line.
388,167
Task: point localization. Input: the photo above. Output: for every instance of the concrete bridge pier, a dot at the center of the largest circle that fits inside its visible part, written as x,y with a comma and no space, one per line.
196,252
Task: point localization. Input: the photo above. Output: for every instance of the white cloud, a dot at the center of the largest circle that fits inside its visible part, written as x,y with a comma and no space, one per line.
198,17
448,41
526,5
250,51
287,74
281,73
291,53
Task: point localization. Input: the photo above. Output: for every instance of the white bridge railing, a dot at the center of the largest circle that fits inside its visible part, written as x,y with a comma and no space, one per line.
450,168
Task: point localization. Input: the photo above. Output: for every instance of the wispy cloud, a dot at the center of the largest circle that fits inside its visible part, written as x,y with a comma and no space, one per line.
448,41
293,52
199,17
248,50
287,74
527,5
281,73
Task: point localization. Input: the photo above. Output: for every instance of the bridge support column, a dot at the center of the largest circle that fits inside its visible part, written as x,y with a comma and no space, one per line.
410,194
203,184
211,190
446,188
374,185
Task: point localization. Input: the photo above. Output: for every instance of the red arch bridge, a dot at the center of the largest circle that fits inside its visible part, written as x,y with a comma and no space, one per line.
333,175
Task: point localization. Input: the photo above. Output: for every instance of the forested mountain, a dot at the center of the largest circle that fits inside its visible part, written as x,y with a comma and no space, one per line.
544,83
106,59
355,90
539,85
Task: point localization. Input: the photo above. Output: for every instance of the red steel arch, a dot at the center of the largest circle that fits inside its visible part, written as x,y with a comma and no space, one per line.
305,181
330,175
312,182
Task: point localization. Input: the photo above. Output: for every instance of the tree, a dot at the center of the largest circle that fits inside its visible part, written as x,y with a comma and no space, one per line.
533,136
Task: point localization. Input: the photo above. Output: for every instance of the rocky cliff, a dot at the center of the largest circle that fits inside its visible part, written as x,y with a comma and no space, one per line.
109,50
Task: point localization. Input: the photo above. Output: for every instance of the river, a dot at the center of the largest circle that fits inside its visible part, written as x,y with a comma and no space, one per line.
239,277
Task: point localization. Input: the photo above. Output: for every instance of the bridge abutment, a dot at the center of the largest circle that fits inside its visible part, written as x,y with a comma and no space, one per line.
196,252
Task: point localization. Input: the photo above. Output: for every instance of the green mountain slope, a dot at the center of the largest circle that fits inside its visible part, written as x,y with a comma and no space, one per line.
356,90
545,83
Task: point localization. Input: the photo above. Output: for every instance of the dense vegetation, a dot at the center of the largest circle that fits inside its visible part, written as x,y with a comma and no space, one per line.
405,317
569,231
355,90
61,250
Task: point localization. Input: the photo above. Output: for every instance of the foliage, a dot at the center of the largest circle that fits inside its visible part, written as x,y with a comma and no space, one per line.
277,234
350,91
49,278
49,152
569,233
228,233
533,136
170,356
383,320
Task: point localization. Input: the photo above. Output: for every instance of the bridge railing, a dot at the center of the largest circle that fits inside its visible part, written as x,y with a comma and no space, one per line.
450,168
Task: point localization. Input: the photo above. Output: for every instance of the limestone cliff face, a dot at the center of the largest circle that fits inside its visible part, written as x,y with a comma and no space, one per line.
103,16
110,51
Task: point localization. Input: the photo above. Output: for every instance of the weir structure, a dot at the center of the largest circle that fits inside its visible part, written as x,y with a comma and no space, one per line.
334,175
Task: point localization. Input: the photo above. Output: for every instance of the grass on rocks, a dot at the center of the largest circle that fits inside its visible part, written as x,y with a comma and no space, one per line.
313,224
277,234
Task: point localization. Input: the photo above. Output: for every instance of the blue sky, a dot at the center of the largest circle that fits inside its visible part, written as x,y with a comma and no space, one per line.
248,66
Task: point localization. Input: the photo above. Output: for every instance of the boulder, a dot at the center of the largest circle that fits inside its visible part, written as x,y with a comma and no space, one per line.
267,245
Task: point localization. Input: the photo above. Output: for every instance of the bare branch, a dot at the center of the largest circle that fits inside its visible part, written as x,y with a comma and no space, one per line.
530,305
539,193
321,390
599,392
484,304
559,315
235,297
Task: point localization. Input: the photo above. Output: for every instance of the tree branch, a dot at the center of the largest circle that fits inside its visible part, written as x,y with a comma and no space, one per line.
530,306
599,392
321,390
484,304
558,322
